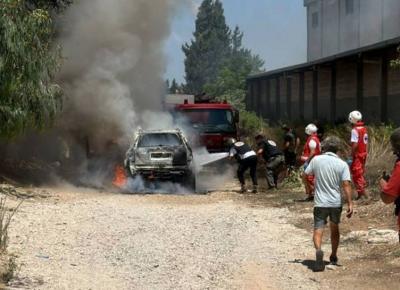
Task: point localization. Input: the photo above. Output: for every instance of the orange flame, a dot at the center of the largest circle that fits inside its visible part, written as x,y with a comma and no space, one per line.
120,177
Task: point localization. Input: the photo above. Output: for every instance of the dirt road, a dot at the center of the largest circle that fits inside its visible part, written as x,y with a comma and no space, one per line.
78,239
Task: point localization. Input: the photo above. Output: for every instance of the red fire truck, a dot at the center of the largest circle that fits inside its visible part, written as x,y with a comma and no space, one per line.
213,122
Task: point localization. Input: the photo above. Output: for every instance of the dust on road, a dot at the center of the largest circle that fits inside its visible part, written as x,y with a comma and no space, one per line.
88,240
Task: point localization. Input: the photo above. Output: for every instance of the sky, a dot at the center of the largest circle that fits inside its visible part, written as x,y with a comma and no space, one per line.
274,29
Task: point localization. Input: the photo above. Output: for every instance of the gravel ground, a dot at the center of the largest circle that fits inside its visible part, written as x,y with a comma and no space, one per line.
85,240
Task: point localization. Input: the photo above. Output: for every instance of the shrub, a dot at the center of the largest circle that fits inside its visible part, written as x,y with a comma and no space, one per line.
250,124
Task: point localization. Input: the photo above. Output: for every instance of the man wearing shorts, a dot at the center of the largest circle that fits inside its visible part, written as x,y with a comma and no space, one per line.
332,174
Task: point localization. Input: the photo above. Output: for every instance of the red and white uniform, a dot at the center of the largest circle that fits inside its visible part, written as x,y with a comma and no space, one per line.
359,135
312,143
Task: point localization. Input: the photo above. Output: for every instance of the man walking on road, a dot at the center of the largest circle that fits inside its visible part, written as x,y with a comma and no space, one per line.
273,157
246,158
332,174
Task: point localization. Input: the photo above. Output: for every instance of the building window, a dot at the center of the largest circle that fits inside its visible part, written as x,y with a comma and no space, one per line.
314,19
349,7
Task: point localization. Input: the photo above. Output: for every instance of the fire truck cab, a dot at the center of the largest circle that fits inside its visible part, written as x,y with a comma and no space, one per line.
213,123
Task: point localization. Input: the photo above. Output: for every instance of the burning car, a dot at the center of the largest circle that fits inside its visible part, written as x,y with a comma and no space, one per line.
163,155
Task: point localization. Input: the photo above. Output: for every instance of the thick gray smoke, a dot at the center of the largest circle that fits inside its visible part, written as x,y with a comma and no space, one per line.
114,63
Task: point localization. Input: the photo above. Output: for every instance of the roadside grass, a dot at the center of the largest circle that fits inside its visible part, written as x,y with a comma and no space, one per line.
8,268
6,216
293,180
8,265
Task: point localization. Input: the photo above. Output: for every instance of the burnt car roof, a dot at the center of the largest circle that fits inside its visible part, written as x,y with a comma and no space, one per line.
141,131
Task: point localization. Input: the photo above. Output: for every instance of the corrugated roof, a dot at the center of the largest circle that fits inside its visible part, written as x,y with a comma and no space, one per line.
304,66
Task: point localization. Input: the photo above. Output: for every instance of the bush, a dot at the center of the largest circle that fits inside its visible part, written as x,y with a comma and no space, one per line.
250,124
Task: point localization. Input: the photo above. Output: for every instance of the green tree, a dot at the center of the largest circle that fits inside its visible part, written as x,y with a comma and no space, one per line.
230,84
174,88
29,98
209,49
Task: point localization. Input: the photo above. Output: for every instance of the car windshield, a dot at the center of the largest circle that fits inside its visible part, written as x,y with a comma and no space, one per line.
159,139
211,120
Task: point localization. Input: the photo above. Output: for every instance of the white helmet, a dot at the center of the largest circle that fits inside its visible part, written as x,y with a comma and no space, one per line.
354,117
311,129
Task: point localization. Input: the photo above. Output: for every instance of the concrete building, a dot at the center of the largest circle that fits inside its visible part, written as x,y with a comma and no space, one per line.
350,46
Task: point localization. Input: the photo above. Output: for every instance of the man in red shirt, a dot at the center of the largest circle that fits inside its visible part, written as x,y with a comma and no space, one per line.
311,148
359,149
390,186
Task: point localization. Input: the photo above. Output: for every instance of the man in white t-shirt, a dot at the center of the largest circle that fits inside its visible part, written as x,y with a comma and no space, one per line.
332,175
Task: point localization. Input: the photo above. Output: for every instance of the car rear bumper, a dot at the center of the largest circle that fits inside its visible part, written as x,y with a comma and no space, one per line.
161,173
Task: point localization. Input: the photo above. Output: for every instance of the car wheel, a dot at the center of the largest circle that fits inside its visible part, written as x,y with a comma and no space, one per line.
190,181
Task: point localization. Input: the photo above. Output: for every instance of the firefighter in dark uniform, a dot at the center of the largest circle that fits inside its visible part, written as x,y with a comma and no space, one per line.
273,157
247,159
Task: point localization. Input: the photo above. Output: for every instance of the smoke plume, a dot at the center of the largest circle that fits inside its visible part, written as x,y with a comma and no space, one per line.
114,62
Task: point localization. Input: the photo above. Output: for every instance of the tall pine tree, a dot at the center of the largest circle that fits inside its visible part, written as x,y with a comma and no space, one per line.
210,48
230,83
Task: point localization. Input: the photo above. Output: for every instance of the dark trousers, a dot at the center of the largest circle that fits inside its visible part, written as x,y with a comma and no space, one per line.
290,158
274,167
249,162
